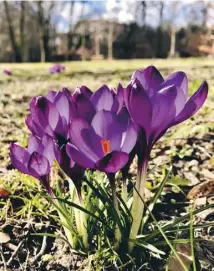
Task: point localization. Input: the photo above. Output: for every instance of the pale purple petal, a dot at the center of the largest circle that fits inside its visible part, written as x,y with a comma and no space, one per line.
103,99
51,95
83,136
19,158
193,104
120,97
35,144
179,79
150,78
106,124
63,106
79,157
50,148
45,114
167,104
34,127
129,137
138,105
38,165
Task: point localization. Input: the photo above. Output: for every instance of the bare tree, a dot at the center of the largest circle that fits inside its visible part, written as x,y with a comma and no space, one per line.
22,31
14,45
44,10
176,5
110,39
144,12
159,29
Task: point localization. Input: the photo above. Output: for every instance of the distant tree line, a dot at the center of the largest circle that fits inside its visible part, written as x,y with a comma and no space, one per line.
28,32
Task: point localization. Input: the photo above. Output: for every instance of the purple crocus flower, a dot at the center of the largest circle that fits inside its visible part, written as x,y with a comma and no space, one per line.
57,68
7,72
51,115
36,160
86,103
104,144
155,105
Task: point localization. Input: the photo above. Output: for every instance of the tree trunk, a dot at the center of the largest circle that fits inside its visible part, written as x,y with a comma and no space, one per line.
144,9
17,56
159,32
173,42
44,33
110,40
97,40
22,33
70,32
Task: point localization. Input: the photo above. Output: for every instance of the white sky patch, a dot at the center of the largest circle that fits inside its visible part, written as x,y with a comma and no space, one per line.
119,11
80,11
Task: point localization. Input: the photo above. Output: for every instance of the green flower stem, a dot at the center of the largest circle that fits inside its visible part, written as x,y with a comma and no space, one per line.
80,217
68,233
124,191
116,207
83,224
137,204
70,237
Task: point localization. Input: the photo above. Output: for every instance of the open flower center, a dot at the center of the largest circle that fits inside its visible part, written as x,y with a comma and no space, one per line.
106,146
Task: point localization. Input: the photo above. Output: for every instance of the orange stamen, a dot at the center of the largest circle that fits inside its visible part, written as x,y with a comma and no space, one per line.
106,146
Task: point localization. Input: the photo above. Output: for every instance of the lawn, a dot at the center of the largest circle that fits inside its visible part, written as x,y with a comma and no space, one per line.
188,148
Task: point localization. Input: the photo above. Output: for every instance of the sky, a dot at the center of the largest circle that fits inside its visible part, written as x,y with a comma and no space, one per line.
124,11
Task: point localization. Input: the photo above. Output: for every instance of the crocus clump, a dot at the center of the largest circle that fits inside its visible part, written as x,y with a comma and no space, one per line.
103,130
7,72
57,68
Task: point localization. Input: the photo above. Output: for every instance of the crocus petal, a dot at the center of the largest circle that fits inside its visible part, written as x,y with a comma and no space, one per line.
51,95
167,104
19,158
103,99
179,79
50,150
193,104
138,105
63,106
38,165
34,127
106,124
129,137
112,162
120,97
45,114
150,78
79,157
83,107
69,166
83,90
83,136
35,144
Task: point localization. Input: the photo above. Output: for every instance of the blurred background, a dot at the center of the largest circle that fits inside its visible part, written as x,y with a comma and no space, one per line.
39,31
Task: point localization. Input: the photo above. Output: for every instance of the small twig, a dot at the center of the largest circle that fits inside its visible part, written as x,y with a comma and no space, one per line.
42,250
3,259
11,246
26,261
16,248
15,252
